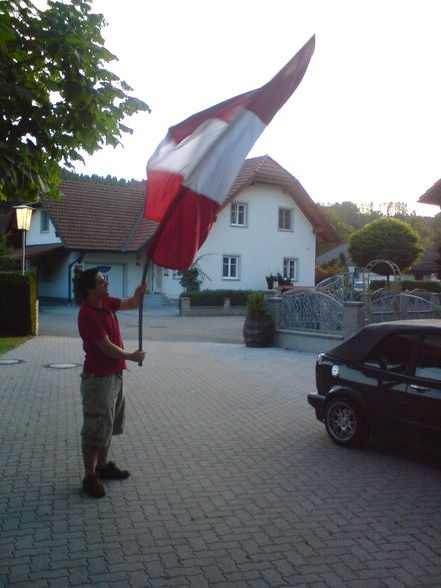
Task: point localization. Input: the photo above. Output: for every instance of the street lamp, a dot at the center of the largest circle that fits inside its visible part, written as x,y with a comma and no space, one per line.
24,215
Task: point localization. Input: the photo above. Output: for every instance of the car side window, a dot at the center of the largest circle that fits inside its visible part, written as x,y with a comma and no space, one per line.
428,363
392,354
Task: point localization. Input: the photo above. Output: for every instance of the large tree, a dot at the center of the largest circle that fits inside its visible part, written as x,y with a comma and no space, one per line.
56,96
385,238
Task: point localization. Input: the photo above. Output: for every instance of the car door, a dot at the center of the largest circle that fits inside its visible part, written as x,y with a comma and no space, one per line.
424,391
387,372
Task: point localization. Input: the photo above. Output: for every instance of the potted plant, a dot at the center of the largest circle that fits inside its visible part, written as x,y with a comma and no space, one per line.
270,279
283,281
258,329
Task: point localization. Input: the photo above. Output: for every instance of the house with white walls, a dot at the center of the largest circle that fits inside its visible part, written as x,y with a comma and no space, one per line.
268,224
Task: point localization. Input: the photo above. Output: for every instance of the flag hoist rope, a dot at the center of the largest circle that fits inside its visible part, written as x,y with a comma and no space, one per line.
141,304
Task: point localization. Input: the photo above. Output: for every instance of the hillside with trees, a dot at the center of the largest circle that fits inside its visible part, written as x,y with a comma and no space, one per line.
347,217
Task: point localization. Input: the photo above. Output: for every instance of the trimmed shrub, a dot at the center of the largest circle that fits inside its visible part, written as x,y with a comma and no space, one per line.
18,296
217,297
409,285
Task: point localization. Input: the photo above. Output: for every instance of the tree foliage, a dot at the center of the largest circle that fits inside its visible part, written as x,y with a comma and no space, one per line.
56,96
385,238
7,262
331,268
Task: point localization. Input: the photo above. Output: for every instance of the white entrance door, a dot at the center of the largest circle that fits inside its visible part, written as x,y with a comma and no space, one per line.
154,278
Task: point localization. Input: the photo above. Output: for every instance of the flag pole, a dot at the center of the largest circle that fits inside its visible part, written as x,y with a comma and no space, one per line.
141,303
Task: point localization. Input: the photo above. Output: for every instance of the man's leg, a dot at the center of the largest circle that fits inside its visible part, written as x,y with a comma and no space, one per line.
103,452
107,470
90,457
91,482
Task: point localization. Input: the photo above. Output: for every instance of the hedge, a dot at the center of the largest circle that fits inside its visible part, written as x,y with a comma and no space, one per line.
18,307
409,285
217,297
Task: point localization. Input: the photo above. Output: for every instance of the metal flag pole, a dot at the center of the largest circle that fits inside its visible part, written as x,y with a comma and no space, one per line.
141,303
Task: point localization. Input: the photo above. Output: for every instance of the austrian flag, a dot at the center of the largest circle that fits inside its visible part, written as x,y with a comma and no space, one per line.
192,170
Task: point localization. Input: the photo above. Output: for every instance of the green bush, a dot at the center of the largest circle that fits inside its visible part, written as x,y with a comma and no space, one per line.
256,304
217,297
421,285
409,285
18,296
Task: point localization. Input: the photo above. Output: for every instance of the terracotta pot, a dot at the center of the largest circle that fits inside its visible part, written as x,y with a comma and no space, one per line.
258,331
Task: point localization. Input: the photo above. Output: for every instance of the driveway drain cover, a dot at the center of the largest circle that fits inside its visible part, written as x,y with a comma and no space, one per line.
10,361
62,366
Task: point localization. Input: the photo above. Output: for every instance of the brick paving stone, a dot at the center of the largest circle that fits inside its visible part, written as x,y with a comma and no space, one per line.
233,481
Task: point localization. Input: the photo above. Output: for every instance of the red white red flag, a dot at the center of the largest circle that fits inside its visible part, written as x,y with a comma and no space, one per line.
192,170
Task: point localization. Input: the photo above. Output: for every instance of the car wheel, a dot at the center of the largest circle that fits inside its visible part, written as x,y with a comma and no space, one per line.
345,422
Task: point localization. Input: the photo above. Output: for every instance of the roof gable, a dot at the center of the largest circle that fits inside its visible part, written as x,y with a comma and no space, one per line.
267,171
433,195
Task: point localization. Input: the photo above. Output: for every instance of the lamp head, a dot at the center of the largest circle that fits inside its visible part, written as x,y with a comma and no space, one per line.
24,215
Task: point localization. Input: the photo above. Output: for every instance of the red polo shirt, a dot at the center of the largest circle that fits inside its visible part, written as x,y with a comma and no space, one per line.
94,324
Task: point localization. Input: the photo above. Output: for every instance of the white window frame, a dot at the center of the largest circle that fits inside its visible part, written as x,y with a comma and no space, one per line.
44,222
287,214
238,209
291,268
230,257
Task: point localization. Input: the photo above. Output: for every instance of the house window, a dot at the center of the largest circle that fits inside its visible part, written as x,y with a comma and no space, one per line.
290,268
44,222
230,267
177,274
239,214
285,219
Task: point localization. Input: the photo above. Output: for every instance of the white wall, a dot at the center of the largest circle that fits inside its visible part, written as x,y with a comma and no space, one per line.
36,237
260,245
123,274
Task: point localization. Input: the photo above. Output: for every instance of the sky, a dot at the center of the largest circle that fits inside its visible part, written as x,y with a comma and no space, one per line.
365,123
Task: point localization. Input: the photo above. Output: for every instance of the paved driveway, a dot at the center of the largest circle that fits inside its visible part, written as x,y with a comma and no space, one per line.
234,483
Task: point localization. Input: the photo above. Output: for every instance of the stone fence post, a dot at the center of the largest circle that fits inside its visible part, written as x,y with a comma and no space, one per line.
352,318
185,305
273,303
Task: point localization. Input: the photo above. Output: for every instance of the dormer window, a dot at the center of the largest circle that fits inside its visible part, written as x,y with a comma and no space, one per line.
44,222
239,214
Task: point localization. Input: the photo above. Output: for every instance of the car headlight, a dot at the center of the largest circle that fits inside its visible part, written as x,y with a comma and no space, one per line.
335,371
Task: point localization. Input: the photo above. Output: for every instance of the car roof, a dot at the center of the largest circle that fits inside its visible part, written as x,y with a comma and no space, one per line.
358,346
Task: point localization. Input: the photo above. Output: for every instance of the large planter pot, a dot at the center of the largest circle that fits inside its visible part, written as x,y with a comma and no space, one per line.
258,331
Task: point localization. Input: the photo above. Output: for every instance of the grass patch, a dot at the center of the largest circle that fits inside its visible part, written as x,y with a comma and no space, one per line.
8,343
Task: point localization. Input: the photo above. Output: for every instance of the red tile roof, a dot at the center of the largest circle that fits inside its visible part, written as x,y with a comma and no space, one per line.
109,217
265,170
101,217
433,195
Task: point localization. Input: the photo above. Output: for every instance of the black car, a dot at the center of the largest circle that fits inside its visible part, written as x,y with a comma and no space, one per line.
386,378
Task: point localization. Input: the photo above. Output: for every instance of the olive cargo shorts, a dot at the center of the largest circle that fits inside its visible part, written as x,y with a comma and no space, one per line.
103,408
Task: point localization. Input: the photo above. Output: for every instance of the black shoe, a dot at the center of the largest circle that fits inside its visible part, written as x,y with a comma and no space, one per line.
111,472
92,485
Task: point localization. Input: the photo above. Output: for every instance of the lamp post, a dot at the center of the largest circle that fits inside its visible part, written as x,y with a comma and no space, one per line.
24,215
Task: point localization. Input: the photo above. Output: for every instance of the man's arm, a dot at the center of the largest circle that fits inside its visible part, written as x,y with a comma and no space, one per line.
133,302
108,348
